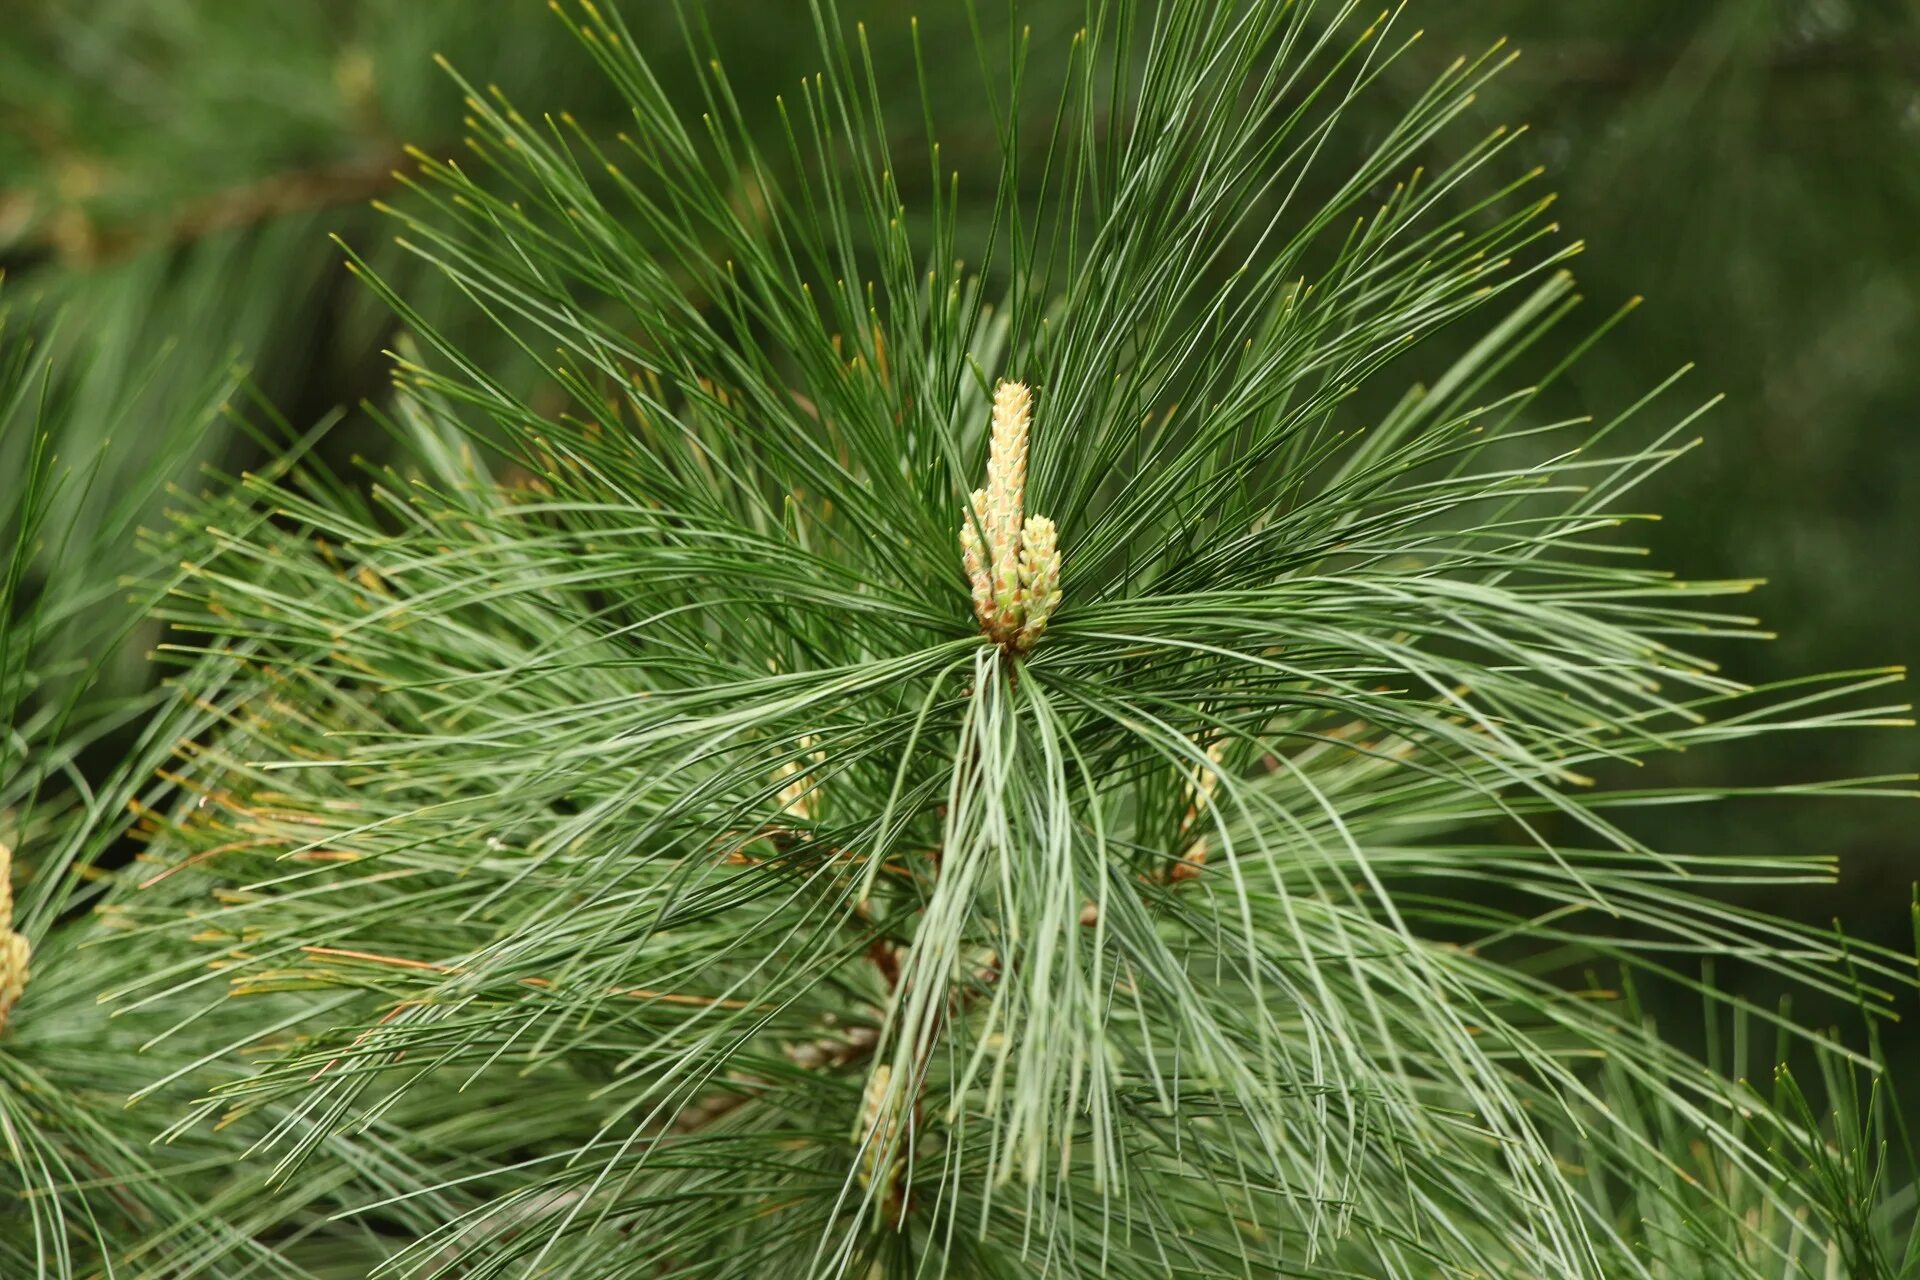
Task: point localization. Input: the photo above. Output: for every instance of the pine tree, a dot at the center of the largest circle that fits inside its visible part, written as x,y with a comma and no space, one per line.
1080,727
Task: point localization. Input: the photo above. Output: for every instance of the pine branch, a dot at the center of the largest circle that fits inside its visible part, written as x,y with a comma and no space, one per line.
1236,861
72,236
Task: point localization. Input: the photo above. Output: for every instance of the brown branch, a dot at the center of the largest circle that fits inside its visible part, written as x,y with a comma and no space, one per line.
299,191
70,235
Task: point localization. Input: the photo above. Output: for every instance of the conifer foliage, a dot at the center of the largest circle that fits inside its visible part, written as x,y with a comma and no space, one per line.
675,822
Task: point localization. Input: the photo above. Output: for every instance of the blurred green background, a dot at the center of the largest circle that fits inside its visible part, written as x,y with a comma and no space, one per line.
170,171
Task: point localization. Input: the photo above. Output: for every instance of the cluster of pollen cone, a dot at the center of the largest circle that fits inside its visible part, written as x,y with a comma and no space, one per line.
1012,559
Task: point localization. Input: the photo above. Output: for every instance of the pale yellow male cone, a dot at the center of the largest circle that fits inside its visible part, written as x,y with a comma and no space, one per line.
978,559
15,952
1006,496
1039,578
1012,560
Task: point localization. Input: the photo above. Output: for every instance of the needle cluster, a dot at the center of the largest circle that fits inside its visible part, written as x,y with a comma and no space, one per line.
600,844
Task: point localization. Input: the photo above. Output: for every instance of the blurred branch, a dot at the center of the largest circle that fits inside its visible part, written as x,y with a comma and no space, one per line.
1604,66
72,236
299,191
